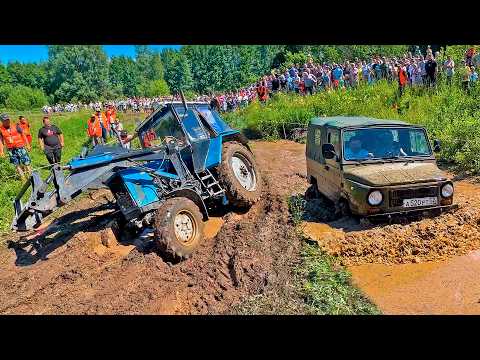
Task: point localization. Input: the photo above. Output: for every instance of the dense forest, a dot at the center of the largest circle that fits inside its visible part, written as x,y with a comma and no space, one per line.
85,73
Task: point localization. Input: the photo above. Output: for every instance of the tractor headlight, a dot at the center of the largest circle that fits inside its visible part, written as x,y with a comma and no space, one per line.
447,190
375,198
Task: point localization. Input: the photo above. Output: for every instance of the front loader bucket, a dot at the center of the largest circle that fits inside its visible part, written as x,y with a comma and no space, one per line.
39,203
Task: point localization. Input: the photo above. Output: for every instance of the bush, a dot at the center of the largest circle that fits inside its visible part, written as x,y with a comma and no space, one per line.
22,98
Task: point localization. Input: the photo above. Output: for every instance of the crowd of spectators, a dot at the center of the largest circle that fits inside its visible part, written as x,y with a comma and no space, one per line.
410,70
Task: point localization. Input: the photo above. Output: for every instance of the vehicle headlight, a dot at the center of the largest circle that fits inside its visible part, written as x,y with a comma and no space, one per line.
375,198
447,190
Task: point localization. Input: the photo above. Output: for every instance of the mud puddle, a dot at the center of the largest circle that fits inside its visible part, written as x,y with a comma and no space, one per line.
443,287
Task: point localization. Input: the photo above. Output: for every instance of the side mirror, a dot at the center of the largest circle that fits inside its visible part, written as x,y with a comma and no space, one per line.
328,151
436,146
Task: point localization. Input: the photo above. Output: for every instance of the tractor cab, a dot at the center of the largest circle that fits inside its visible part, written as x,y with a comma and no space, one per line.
196,129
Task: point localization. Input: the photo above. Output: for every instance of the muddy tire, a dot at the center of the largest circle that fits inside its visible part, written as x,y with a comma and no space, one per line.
342,208
239,176
178,228
312,192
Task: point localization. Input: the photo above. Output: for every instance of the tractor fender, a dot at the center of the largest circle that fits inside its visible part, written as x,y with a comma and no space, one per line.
239,137
196,198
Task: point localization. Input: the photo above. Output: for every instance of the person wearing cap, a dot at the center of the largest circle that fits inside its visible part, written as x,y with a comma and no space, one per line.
23,123
14,139
111,115
105,125
50,138
94,130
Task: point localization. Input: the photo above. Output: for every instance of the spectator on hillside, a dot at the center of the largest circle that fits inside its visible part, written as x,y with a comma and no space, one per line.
431,70
402,79
50,139
449,68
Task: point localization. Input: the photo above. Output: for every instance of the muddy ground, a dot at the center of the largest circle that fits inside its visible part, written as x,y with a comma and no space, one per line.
68,269
74,267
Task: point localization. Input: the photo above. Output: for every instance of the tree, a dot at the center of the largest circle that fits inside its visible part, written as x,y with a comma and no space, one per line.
78,72
31,75
177,70
4,76
125,75
149,63
153,88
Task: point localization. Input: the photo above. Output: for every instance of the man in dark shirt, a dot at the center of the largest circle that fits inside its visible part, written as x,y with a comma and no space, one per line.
431,70
51,142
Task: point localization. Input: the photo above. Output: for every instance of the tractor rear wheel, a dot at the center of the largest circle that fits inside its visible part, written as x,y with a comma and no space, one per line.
178,228
239,176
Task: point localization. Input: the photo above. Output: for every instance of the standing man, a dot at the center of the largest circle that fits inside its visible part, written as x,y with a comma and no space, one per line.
431,70
449,67
15,141
105,125
50,139
23,123
110,115
402,79
94,130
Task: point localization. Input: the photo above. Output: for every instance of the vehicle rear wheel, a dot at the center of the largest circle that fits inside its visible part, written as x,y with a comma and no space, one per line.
178,228
239,176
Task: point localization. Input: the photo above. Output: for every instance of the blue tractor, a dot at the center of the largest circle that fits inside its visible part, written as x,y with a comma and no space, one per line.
190,161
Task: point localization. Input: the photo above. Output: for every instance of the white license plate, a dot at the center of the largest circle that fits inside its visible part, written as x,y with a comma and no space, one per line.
426,201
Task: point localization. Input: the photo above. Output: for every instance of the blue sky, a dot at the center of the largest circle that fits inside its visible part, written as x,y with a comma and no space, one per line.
35,53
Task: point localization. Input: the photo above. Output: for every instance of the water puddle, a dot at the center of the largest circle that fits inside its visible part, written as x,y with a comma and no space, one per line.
212,227
320,231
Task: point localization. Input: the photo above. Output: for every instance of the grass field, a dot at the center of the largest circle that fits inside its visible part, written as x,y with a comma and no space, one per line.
73,126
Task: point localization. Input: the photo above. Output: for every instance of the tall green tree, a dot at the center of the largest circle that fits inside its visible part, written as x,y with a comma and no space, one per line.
124,75
4,76
178,73
28,74
78,72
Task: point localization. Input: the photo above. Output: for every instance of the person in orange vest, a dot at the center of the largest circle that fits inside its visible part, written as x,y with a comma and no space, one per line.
262,92
104,123
111,115
23,123
14,139
94,130
402,79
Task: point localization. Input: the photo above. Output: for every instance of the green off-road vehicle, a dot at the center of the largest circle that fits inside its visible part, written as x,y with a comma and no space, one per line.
372,167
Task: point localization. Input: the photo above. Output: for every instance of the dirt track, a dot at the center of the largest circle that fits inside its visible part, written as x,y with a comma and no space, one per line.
68,270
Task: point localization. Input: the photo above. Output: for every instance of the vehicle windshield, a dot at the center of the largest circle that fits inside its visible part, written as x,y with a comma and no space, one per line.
163,126
384,143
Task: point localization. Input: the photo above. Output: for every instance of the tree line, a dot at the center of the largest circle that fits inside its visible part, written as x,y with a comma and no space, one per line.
84,73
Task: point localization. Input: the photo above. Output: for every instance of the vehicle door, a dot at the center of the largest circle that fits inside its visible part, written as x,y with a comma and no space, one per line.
315,160
331,167
197,136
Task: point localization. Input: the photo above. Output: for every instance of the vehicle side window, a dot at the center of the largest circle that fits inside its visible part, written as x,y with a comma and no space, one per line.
418,143
334,139
193,127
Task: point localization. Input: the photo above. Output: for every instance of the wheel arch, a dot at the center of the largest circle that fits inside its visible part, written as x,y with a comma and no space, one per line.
195,197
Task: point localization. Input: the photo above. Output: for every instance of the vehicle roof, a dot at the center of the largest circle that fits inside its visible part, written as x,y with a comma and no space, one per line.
349,121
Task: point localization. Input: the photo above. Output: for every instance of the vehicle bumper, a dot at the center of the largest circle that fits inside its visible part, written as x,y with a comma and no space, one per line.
443,208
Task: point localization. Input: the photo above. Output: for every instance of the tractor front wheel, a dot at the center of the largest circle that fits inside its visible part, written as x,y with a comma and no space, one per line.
178,228
239,176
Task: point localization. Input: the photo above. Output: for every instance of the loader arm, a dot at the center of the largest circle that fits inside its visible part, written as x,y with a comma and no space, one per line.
85,174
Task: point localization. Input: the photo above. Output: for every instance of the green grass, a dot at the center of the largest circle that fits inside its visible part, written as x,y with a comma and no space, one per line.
73,126
325,284
448,113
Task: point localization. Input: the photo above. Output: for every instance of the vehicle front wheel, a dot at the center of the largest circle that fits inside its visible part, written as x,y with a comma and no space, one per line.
239,176
178,228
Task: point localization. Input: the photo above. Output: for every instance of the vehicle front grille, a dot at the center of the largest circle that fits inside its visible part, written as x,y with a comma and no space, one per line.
397,196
